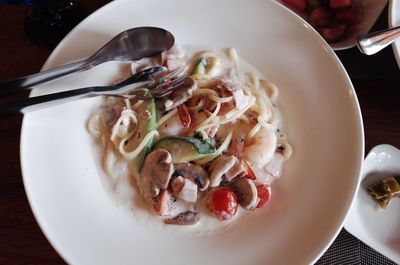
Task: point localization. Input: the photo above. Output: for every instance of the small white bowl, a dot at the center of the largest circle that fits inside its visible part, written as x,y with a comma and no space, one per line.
377,228
370,11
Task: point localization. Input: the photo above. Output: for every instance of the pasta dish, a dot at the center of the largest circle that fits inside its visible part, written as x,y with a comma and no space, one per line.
210,147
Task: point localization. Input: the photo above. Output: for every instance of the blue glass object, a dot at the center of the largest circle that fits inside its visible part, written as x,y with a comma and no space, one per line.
50,20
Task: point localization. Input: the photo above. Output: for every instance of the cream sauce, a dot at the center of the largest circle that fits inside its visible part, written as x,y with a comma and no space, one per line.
121,186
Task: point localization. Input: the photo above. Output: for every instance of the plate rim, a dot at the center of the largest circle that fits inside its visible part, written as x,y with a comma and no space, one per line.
62,253
355,106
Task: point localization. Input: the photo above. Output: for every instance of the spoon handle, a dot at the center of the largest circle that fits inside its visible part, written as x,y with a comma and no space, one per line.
372,43
24,83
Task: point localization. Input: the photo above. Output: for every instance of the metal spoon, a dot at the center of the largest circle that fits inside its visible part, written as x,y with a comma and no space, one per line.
372,43
129,45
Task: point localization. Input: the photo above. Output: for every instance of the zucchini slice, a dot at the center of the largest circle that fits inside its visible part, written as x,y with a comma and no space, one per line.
185,149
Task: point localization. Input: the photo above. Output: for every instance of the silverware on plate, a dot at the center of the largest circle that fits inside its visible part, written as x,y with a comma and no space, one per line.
372,43
153,82
129,45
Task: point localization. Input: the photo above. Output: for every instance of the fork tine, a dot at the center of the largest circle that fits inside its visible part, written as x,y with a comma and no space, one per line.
164,89
148,74
169,76
162,84
174,81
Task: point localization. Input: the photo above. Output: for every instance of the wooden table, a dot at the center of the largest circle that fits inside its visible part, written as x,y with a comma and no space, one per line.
375,78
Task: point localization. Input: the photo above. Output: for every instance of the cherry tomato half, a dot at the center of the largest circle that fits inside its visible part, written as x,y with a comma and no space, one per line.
223,203
264,195
184,115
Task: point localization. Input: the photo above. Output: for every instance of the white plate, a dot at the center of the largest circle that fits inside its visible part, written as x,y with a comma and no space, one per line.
321,117
377,228
370,11
394,21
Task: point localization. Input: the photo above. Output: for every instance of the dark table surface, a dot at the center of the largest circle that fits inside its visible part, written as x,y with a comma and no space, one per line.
376,80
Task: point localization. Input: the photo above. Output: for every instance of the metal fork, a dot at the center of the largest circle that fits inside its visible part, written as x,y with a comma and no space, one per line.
149,83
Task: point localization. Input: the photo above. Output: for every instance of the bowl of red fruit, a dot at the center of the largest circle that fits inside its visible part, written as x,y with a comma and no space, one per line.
339,22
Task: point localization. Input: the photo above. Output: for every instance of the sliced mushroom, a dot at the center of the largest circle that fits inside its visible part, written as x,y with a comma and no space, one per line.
178,96
194,173
185,218
219,167
112,111
246,191
156,173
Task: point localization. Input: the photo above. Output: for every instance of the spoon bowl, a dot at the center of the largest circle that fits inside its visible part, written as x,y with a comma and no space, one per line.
373,42
133,44
129,45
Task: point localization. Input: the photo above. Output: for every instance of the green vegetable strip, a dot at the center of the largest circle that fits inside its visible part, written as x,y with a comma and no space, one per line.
201,66
202,147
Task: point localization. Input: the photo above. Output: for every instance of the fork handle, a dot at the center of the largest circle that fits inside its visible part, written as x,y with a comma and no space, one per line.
26,105
24,83
34,103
